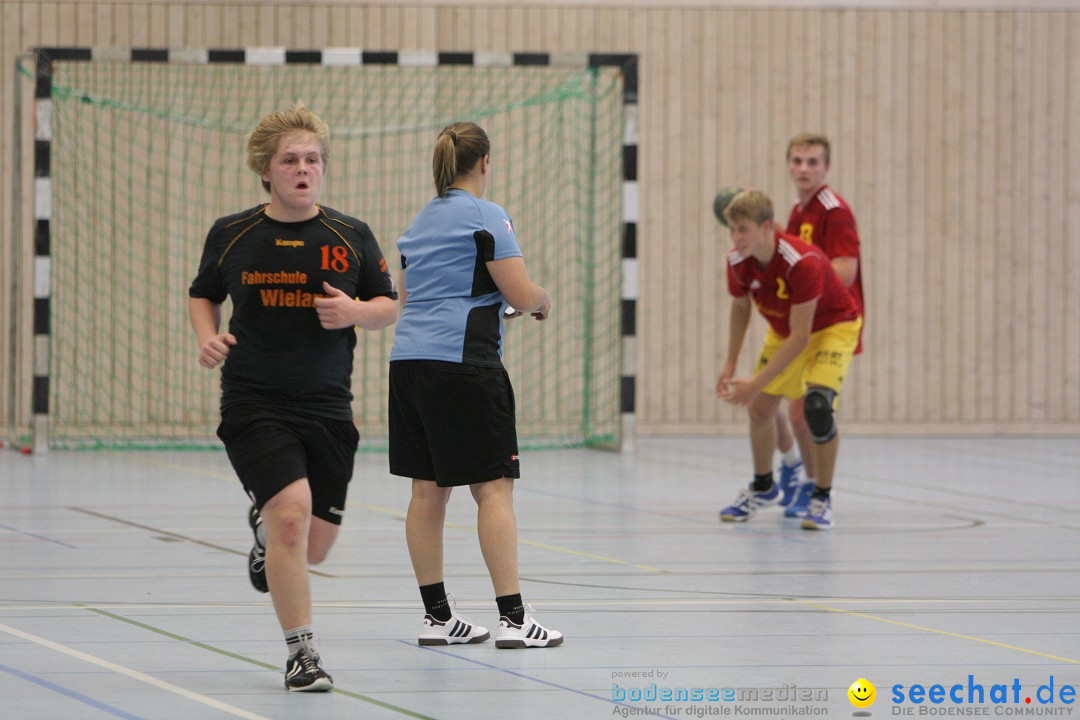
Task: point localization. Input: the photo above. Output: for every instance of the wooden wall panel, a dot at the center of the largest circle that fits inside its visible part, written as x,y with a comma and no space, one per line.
1069,333
690,385
712,243
954,137
1036,350
1053,127
9,18
1018,292
887,116
979,211
1058,89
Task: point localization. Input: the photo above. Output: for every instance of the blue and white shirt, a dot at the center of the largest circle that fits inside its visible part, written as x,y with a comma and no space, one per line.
453,310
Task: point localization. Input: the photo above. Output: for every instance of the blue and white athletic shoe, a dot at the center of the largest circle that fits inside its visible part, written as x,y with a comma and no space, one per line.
790,477
748,502
801,501
818,515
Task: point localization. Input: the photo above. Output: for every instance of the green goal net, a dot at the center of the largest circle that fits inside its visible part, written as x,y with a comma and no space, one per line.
146,155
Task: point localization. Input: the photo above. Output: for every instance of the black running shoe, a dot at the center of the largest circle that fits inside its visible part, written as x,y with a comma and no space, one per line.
304,673
257,556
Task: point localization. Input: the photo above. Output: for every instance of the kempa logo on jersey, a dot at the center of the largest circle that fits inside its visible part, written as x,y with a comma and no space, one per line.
975,699
288,243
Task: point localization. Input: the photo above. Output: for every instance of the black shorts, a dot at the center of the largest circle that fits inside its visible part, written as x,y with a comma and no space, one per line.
273,448
451,423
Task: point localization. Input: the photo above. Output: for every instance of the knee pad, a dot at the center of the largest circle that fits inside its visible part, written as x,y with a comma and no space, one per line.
818,410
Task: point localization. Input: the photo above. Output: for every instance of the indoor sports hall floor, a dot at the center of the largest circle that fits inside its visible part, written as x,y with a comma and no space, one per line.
955,562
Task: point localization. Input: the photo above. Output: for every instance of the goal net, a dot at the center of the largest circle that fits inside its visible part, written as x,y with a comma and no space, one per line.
146,155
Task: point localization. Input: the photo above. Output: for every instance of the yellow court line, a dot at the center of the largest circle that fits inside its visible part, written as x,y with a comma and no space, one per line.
174,466
579,553
385,510
523,541
399,514
946,633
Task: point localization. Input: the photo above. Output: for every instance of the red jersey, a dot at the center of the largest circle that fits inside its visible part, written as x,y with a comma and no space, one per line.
797,273
828,223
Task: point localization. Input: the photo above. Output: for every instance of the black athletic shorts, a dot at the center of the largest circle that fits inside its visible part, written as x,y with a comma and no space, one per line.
273,448
451,423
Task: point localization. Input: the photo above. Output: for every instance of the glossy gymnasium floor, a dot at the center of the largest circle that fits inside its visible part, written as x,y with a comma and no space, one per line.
954,563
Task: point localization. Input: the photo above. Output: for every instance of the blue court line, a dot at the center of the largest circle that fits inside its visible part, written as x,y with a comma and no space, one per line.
70,693
36,537
523,676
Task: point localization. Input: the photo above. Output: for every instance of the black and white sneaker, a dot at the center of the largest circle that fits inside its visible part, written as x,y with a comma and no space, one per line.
257,556
304,673
528,634
455,631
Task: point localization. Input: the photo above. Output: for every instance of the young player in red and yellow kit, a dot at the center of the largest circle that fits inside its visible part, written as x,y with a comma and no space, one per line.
813,331
822,218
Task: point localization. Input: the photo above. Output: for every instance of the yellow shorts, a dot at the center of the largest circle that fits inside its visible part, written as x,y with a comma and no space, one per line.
824,361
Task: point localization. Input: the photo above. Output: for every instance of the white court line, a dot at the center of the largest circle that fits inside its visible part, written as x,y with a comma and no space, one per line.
410,607
134,674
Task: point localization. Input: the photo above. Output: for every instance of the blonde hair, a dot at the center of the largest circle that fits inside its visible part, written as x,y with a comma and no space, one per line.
810,139
265,138
457,150
752,205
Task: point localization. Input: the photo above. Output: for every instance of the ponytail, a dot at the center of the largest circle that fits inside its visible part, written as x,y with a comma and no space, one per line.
458,149
444,162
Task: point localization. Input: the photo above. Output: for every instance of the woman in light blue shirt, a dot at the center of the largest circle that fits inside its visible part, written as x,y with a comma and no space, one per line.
451,413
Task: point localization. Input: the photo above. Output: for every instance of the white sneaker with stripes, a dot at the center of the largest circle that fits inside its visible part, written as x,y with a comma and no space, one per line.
528,634
457,630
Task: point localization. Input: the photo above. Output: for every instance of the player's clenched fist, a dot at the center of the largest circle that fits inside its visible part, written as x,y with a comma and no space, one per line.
336,310
213,351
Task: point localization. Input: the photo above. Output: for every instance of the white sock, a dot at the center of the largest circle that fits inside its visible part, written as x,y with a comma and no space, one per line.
298,637
792,456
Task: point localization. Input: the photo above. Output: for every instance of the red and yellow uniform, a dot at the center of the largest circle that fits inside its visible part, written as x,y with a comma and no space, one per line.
828,223
799,273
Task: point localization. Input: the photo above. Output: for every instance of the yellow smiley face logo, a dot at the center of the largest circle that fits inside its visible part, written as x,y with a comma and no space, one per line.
862,693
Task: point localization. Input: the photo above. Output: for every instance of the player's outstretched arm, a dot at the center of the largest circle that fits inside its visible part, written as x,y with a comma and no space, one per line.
741,310
742,391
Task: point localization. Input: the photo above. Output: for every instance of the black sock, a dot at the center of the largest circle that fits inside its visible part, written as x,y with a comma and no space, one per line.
435,602
822,493
511,608
762,483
